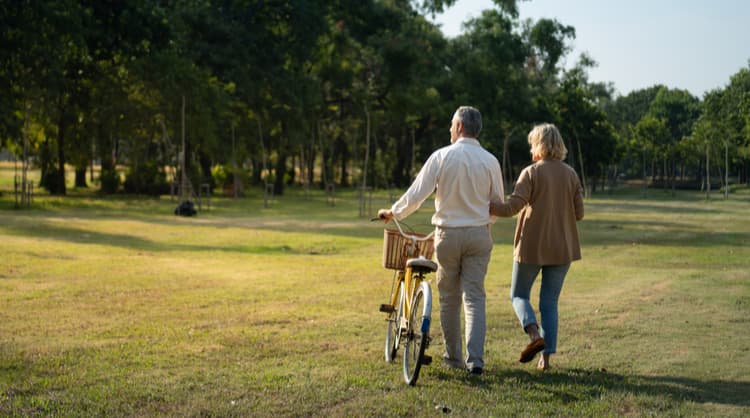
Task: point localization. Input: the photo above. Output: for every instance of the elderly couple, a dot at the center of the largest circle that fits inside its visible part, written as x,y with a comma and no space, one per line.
469,194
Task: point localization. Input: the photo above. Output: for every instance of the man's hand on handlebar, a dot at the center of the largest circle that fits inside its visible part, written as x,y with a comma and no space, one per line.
385,215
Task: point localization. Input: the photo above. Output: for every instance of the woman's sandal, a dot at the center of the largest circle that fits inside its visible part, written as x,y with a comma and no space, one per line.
530,351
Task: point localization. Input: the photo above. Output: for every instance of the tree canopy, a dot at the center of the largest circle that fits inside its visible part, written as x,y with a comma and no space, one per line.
301,91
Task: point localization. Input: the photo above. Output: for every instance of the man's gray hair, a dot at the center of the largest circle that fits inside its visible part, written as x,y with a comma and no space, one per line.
471,120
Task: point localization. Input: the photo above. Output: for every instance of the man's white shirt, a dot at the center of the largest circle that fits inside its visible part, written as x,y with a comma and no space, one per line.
466,177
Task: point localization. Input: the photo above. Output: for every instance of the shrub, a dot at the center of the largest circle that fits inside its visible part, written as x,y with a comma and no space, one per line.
222,175
147,178
51,181
110,181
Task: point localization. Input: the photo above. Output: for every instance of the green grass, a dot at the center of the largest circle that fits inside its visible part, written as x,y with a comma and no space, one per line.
113,306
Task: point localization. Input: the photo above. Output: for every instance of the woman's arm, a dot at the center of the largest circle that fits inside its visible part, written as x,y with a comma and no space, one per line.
517,201
507,209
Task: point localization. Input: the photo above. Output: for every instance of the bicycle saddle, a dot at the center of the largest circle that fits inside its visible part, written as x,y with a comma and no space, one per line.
421,264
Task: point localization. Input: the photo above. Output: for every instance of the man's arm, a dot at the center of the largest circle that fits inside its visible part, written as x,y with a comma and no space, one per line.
420,189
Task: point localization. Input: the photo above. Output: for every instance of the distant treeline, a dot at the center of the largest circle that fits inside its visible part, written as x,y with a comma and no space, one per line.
319,92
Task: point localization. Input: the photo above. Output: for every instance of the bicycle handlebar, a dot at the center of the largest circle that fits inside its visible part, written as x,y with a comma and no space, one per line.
404,234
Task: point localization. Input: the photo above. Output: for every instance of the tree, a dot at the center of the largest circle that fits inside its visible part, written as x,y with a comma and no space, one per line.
589,135
648,132
624,113
487,70
735,112
678,110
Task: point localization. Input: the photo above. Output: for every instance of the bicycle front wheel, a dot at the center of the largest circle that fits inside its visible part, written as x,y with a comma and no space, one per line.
393,325
418,333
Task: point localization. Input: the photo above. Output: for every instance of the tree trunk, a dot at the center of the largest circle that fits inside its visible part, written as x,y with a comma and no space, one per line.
645,175
281,160
673,176
325,168
506,161
364,164
257,171
81,177
107,173
60,183
367,148
708,174
235,174
343,153
205,165
311,161
413,162
583,174
726,170
613,180
400,175
280,171
292,177
263,176
183,158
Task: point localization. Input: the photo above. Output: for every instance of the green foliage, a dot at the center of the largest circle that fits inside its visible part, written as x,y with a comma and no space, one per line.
589,136
222,175
284,82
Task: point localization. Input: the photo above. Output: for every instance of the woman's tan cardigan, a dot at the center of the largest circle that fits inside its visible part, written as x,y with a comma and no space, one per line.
548,195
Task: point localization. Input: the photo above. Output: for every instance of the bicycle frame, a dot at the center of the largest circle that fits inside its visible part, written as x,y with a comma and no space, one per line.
410,282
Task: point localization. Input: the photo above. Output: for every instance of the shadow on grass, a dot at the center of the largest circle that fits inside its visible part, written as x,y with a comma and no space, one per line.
575,385
663,233
669,206
84,236
299,218
69,234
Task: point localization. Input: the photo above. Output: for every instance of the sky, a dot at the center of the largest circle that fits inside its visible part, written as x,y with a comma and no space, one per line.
695,45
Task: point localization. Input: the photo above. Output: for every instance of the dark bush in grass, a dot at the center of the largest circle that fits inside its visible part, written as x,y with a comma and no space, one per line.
147,179
110,181
51,181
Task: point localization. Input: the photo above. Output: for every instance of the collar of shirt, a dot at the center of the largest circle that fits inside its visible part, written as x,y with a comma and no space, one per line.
467,140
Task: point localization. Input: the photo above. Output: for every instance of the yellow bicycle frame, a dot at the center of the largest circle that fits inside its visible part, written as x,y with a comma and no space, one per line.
410,282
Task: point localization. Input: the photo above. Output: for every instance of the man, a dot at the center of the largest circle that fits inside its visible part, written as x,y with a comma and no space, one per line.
465,177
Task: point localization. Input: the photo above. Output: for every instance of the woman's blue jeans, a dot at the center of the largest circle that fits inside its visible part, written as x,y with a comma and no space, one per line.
553,277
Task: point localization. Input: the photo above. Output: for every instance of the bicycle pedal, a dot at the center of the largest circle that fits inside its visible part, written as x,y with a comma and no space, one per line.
387,308
426,360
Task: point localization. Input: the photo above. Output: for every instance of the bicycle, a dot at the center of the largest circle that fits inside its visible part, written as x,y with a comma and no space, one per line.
409,313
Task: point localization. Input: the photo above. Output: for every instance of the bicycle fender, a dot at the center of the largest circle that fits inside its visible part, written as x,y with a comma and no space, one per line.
427,307
425,325
427,299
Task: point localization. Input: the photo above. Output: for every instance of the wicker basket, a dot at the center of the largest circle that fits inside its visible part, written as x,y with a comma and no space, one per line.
397,249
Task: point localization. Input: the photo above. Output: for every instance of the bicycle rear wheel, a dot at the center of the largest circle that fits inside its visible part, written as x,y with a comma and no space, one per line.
393,325
418,333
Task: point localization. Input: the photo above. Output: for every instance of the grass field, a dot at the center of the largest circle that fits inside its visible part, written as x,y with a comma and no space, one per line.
114,306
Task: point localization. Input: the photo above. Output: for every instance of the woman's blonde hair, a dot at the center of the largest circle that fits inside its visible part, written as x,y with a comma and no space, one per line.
547,143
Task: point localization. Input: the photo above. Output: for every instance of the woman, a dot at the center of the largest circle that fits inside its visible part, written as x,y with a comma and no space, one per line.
548,197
